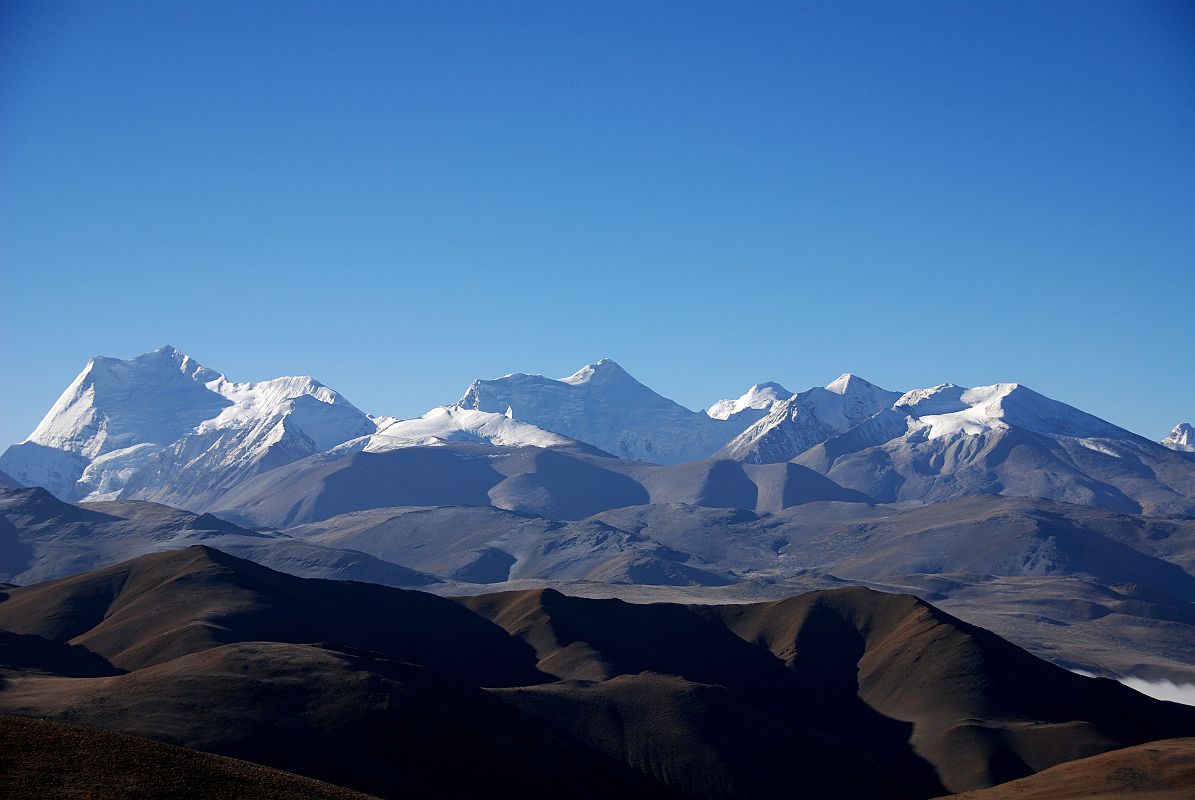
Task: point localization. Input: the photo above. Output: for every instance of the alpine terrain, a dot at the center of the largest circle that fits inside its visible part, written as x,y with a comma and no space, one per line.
579,586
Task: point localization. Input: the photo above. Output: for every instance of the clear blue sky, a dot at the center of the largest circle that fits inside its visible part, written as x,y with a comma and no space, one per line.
400,197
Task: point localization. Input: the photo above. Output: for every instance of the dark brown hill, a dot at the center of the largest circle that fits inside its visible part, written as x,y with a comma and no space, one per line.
1162,770
350,718
42,760
705,740
932,700
982,710
25,652
842,693
161,606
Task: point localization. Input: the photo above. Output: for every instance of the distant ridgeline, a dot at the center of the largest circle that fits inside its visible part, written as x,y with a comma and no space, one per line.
162,427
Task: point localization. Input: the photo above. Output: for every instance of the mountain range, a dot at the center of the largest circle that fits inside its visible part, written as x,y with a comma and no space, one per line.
596,483
162,427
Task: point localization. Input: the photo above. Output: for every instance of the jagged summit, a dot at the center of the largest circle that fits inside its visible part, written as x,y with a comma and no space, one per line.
799,422
760,397
161,426
1182,438
162,419
167,357
166,350
113,403
603,405
948,441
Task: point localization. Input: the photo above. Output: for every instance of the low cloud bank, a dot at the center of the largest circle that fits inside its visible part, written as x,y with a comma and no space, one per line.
1161,690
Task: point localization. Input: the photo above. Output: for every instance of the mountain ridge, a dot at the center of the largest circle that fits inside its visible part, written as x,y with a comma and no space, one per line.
109,436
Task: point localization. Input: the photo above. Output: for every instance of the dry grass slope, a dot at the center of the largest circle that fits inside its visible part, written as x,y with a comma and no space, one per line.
1163,770
42,760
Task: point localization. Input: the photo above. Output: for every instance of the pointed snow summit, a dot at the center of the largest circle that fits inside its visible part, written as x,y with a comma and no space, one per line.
1182,438
117,412
112,404
603,405
163,427
947,441
847,383
159,425
802,421
606,370
760,398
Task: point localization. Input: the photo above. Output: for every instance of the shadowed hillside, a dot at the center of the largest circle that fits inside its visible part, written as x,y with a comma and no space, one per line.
861,694
40,759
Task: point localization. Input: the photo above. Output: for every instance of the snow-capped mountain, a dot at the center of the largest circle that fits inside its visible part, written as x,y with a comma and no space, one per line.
269,424
761,397
1182,438
947,441
455,424
795,424
163,427
160,425
117,413
601,404
948,409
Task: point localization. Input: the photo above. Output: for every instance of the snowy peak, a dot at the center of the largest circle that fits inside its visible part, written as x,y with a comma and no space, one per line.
947,409
523,393
455,424
169,358
760,397
163,427
845,402
605,370
114,403
948,441
163,418
846,383
1182,438
300,404
604,406
945,398
805,420
264,394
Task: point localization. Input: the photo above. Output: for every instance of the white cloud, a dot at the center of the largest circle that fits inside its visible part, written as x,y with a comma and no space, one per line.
1163,690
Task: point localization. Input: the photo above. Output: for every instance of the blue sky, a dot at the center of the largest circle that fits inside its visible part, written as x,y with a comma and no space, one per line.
400,197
